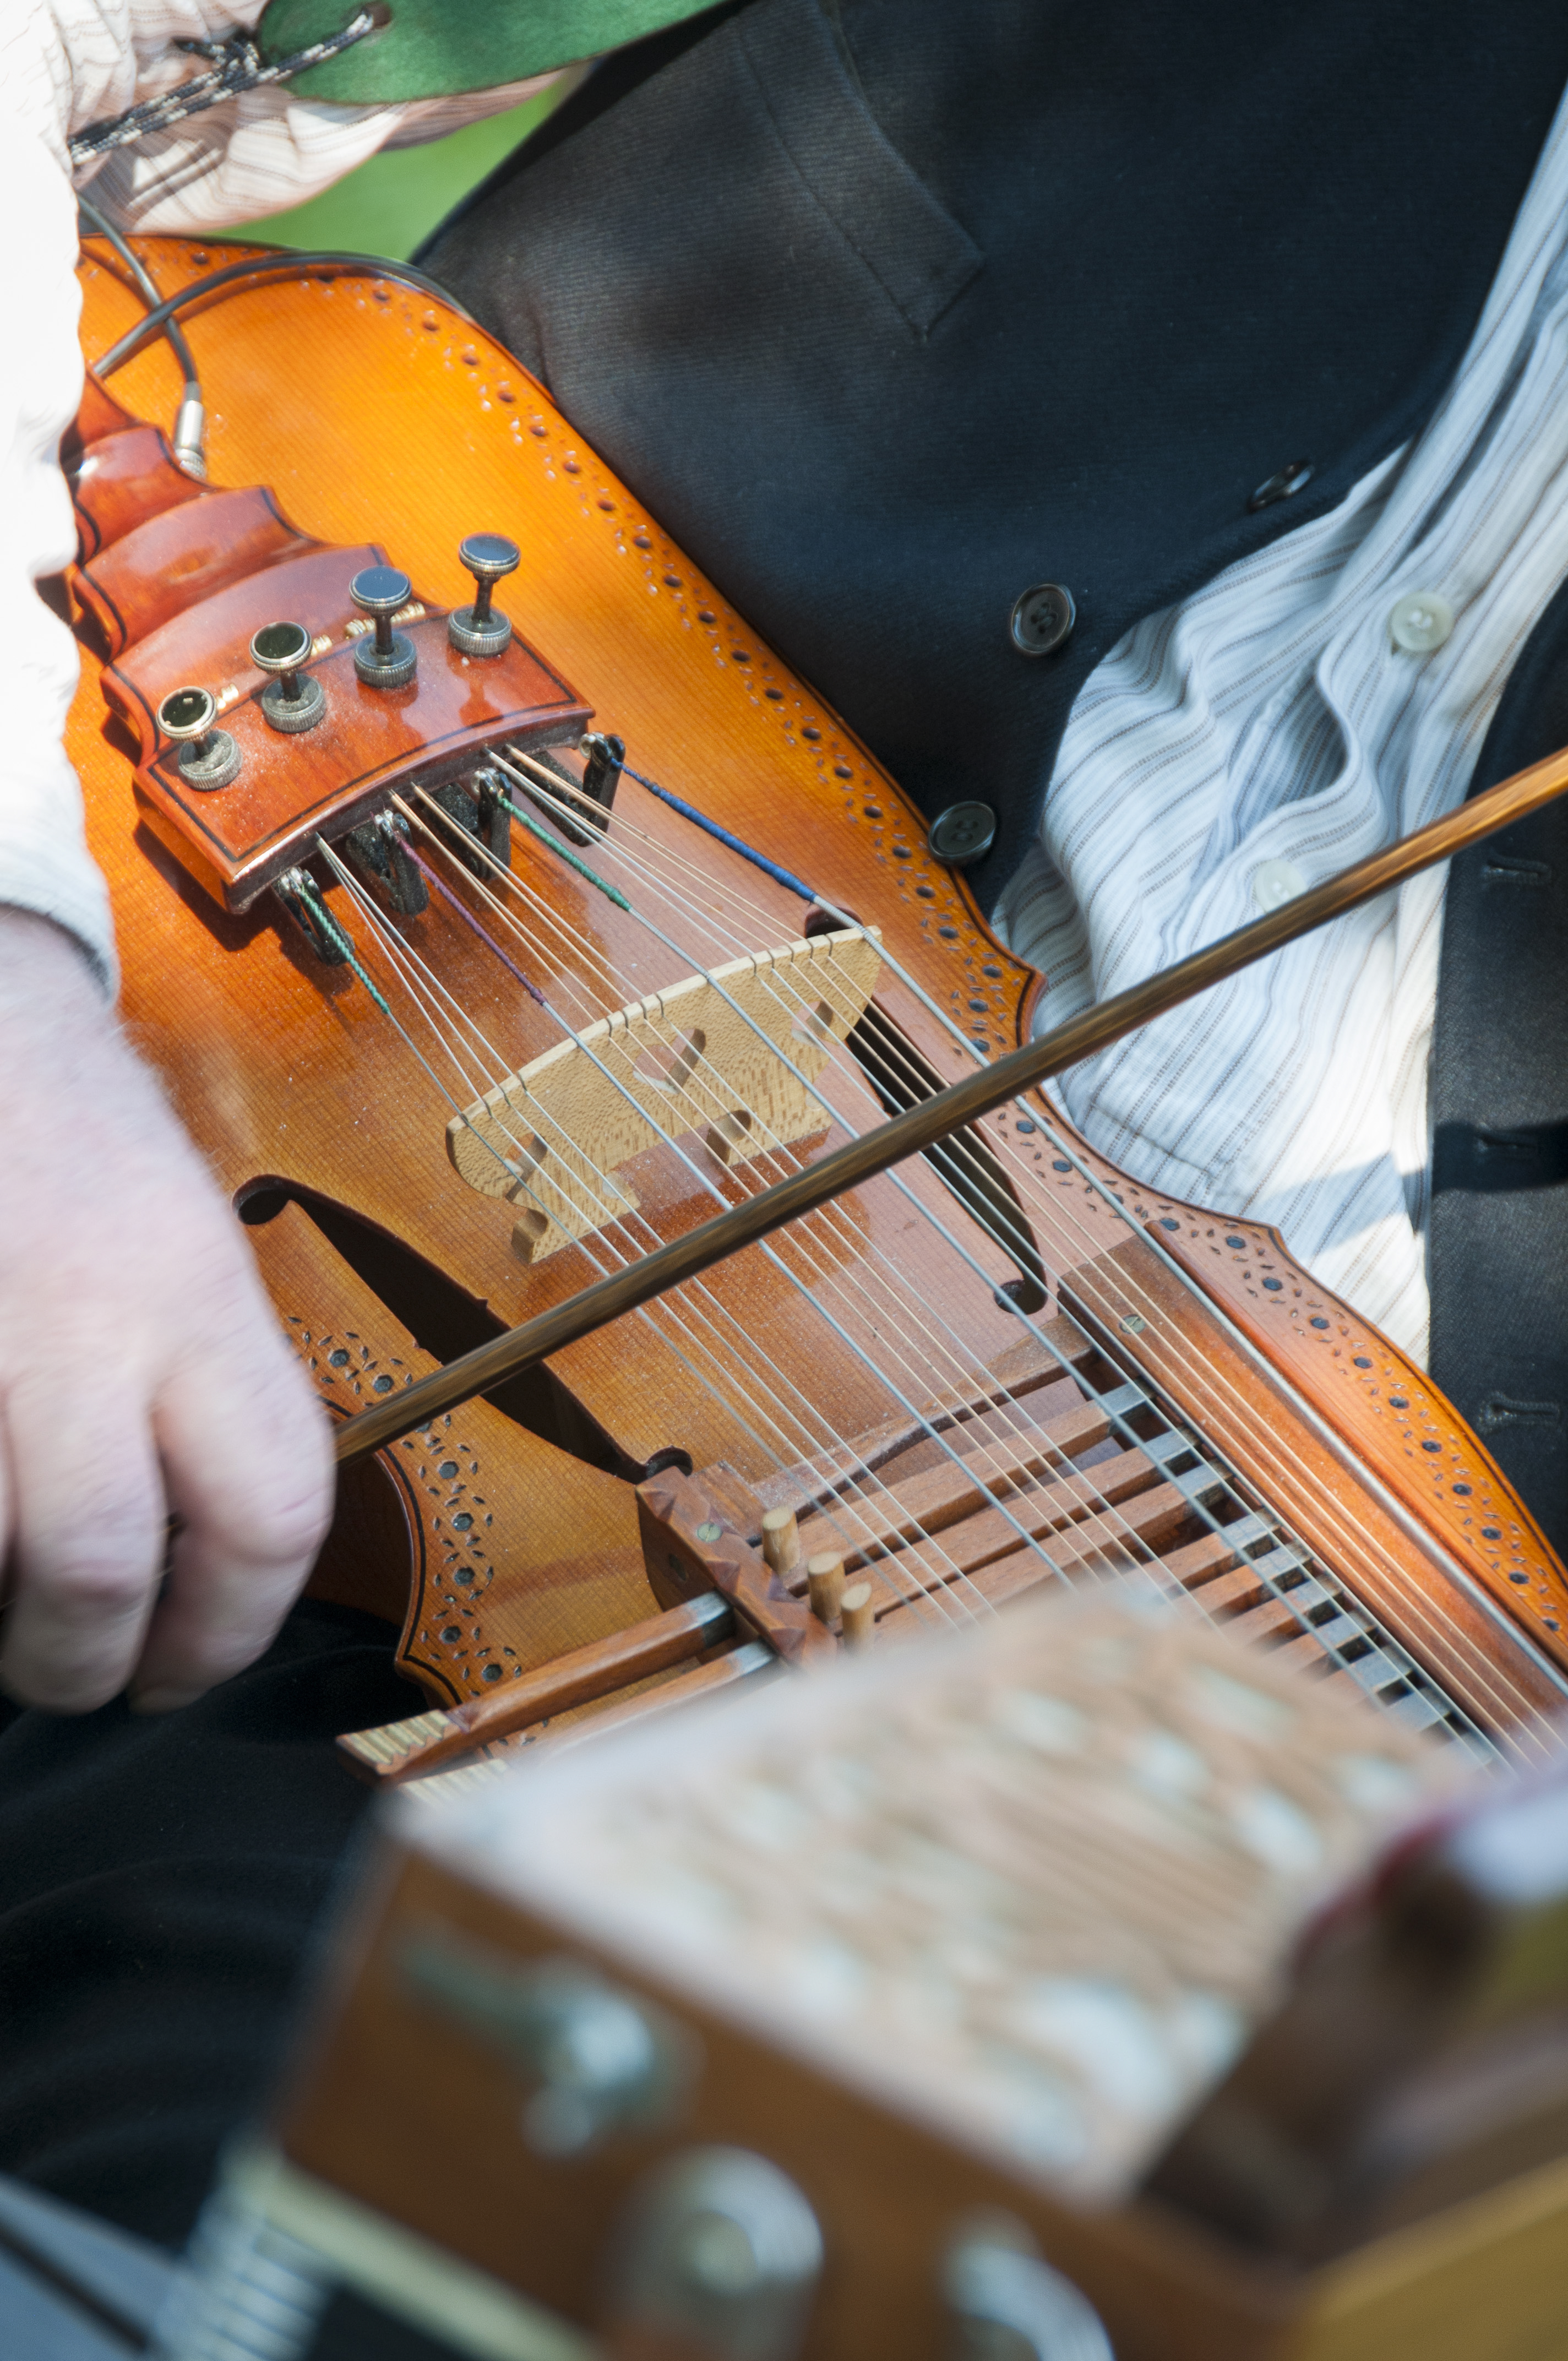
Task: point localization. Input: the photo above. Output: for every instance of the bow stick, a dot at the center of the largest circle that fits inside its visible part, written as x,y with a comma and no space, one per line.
947,1111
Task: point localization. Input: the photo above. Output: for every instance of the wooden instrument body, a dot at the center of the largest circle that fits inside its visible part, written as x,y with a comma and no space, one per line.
516,1540
415,2116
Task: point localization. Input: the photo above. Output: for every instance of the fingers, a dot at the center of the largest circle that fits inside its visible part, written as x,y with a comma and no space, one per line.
142,1370
87,1547
246,1456
246,1466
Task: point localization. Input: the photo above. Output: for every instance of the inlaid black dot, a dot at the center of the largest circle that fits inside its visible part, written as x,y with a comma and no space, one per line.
1236,1245
464,1575
382,1385
1491,1533
842,771
703,616
949,934
1317,1321
1060,1164
448,1469
1026,1122
1274,1285
1431,1446
491,1672
462,1524
1362,1362
1464,1489
811,731
1515,1576
1550,1622
776,694
453,1633
1398,1401
1169,1221
339,1360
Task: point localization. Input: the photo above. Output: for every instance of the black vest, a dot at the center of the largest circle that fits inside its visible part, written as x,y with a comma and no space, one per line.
891,308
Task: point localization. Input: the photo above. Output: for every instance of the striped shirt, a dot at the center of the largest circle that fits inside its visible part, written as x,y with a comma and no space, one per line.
1251,741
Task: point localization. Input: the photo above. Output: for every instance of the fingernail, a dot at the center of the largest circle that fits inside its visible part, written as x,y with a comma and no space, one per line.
162,1700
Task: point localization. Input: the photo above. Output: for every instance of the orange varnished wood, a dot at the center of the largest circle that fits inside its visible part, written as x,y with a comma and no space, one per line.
284,1072
494,1551
211,645
179,585
182,553
120,479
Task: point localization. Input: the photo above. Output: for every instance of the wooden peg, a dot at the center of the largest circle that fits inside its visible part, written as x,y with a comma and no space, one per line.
781,1540
859,1623
824,1581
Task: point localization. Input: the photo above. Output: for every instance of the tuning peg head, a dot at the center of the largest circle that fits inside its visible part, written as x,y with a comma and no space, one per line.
389,660
208,757
478,630
381,590
290,702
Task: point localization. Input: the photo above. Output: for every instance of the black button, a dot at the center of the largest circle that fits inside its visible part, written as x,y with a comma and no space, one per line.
962,833
1043,619
1281,487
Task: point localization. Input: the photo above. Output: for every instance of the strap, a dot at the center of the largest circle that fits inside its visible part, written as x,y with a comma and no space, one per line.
429,49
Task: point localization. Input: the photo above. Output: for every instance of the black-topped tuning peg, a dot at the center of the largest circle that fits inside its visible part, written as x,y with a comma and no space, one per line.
208,757
292,701
389,660
479,629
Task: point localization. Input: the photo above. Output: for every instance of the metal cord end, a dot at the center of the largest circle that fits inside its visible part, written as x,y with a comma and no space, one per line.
189,441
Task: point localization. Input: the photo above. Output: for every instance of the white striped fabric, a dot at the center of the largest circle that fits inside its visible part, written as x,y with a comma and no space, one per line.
1271,719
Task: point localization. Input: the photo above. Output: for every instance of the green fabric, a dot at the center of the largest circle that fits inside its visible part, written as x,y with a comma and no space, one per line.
433,48
391,203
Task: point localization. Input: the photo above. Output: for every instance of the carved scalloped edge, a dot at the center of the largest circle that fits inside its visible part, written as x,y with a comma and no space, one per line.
1369,1391
444,1640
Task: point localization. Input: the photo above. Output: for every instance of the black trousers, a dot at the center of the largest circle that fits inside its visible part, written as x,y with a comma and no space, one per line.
159,1880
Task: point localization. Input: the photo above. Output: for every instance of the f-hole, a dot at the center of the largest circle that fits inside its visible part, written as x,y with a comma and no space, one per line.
965,1165
445,1321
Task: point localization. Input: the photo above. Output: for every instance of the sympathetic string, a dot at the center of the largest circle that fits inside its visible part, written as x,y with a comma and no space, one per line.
641,871
1132,1299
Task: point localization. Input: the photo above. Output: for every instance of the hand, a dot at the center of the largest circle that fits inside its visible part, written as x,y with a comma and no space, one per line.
143,1374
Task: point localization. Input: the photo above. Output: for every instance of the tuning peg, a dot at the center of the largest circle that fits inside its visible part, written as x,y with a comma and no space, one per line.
208,757
389,661
478,630
290,700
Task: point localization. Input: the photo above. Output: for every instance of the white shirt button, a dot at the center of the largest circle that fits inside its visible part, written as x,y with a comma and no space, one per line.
1273,882
1421,621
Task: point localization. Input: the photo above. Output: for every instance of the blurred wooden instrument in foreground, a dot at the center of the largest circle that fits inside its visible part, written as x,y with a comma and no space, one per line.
944,2005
